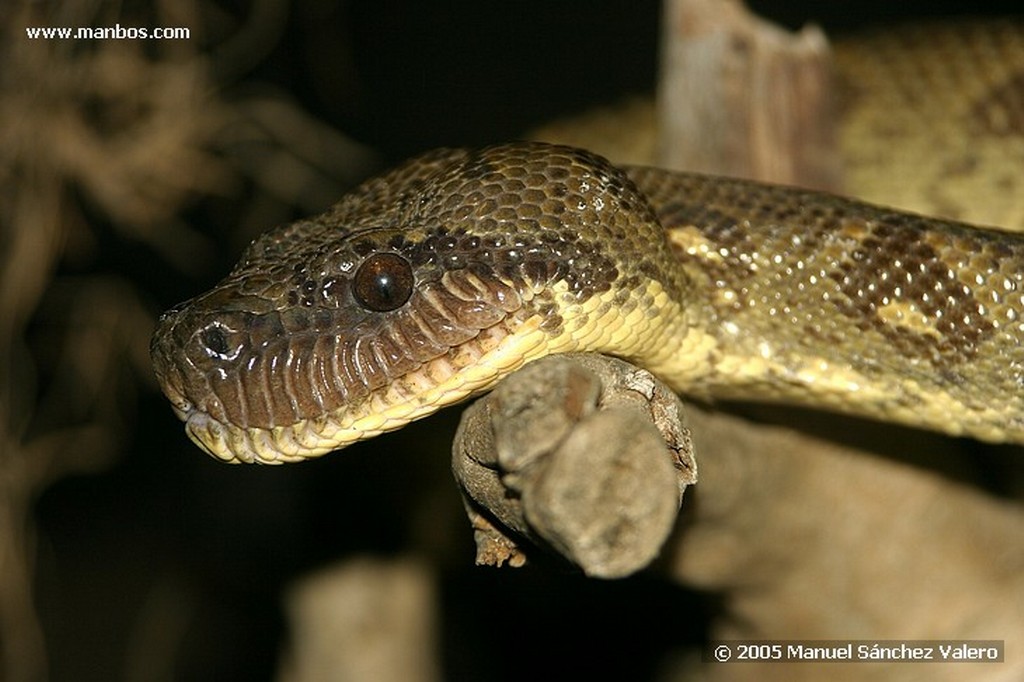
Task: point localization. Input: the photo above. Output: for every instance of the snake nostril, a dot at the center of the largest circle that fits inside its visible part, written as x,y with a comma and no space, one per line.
214,339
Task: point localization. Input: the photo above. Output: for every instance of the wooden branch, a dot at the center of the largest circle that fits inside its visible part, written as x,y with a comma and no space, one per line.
583,454
739,96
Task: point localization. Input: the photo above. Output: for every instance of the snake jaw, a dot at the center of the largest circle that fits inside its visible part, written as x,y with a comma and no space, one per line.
435,385
198,382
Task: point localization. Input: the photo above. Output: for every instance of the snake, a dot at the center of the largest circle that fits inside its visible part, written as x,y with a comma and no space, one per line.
430,283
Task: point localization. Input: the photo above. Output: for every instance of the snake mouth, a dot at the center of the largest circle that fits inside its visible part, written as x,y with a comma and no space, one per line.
172,386
201,428
436,384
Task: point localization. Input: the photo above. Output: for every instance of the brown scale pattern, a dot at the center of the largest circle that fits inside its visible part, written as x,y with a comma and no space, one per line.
895,296
893,263
772,275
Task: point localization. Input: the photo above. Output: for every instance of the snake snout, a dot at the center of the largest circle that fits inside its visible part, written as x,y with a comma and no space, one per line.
163,353
197,357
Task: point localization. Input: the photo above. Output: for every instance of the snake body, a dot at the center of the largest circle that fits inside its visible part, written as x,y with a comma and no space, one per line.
432,282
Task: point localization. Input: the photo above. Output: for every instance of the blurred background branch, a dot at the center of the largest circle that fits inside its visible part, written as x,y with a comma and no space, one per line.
104,142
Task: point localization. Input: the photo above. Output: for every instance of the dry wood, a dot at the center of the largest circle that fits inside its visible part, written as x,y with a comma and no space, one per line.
586,454
741,97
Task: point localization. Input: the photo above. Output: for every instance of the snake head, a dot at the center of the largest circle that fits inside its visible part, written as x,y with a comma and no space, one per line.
420,288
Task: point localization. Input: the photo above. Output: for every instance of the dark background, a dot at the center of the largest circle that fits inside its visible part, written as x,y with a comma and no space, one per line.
165,528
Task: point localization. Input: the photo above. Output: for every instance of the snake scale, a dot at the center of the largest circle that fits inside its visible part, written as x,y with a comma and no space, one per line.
432,282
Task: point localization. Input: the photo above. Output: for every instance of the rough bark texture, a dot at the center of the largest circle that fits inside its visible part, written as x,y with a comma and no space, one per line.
585,454
809,539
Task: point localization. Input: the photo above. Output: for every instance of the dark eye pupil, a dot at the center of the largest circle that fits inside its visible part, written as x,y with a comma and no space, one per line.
383,282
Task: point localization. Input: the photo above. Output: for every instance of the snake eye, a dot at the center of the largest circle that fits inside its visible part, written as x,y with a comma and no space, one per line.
383,282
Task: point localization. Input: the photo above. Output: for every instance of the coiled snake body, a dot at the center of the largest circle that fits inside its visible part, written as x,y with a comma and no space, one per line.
434,281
